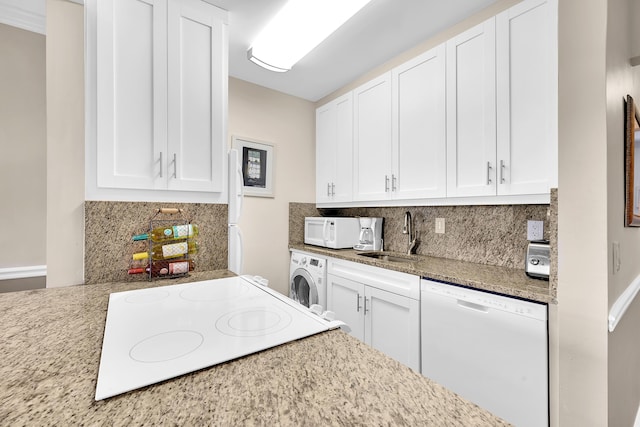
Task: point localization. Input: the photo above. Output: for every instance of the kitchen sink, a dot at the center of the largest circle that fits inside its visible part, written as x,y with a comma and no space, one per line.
389,256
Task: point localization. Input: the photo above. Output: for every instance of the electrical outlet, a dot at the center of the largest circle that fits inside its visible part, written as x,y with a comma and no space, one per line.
440,225
535,230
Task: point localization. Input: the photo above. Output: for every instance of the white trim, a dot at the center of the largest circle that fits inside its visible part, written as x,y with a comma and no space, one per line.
524,199
637,421
622,304
22,18
23,272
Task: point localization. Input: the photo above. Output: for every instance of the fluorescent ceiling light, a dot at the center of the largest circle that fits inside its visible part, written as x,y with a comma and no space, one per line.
299,27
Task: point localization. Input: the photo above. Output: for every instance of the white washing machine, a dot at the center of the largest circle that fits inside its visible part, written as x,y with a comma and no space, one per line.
308,279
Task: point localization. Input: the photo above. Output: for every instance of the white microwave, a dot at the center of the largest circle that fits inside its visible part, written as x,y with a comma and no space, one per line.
334,232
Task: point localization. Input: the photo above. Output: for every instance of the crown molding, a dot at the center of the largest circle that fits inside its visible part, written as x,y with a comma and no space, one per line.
21,17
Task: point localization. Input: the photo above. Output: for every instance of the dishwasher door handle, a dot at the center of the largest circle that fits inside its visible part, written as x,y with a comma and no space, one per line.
472,306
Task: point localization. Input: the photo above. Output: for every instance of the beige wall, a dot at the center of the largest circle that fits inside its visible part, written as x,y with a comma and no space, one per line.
288,122
65,143
582,214
23,166
623,347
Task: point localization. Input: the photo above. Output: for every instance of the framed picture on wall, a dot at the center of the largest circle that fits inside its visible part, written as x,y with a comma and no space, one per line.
257,160
632,168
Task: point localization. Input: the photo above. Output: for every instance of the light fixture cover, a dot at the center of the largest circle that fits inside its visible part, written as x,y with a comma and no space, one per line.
299,27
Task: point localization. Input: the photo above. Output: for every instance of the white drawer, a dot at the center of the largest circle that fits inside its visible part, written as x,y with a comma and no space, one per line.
388,280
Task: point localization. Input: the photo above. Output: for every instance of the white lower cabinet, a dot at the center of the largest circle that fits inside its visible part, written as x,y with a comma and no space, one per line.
381,307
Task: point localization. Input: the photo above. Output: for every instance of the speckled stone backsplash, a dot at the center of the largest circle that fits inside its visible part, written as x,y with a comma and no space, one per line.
109,227
493,235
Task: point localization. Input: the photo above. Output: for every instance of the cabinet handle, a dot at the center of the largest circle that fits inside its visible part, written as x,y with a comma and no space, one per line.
328,189
358,307
161,164
333,188
393,182
501,171
175,166
488,173
386,183
365,306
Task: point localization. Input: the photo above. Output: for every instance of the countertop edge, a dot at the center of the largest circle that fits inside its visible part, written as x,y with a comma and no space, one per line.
501,280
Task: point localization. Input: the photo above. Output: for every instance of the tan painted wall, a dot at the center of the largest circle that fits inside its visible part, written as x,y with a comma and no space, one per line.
623,347
23,166
582,214
65,143
288,122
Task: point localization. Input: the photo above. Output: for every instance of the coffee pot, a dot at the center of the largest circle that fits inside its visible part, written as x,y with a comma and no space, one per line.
370,234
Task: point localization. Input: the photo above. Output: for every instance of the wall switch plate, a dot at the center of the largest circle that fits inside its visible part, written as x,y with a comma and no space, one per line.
535,230
616,257
440,225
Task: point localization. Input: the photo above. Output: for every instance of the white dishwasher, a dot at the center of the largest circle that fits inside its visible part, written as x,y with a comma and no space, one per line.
490,349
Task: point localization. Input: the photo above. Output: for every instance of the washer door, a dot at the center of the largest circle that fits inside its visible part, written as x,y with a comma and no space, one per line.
303,289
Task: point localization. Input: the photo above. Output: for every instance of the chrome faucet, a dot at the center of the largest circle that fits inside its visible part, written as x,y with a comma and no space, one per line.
408,229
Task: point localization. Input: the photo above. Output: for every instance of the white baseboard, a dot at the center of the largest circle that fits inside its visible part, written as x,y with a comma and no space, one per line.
623,302
23,272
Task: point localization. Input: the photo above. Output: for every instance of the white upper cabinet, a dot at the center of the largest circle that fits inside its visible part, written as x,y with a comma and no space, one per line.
472,121
526,41
372,140
471,112
197,104
161,95
419,127
334,151
131,91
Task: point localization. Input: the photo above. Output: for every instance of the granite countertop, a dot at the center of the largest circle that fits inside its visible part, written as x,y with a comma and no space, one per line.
502,280
51,341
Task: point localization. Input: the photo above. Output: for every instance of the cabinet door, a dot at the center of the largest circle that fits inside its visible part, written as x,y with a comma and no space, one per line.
419,134
342,189
197,98
471,112
346,298
334,151
372,139
527,97
392,325
131,93
326,135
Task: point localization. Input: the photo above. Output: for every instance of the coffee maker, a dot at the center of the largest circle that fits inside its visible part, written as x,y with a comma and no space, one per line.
370,234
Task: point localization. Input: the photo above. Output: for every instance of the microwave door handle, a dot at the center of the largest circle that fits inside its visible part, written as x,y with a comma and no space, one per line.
325,229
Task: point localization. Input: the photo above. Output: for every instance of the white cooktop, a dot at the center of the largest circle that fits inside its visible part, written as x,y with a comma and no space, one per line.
155,334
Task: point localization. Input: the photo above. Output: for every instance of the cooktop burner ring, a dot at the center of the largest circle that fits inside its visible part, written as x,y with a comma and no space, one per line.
166,346
253,321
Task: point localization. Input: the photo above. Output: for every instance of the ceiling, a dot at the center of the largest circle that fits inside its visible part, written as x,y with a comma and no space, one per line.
379,32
